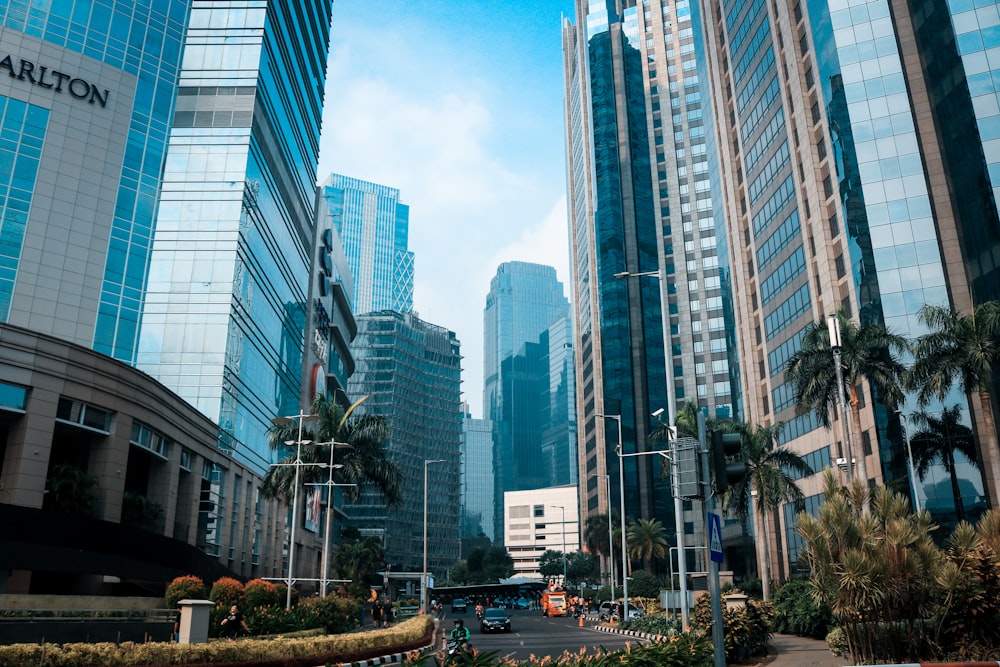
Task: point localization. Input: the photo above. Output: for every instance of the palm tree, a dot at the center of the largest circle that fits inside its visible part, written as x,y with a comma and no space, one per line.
768,484
962,348
940,438
364,462
868,351
647,540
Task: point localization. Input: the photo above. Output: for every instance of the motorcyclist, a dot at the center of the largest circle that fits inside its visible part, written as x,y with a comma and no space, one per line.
461,633
479,611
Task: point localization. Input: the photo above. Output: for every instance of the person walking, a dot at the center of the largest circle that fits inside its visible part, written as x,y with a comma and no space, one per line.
233,622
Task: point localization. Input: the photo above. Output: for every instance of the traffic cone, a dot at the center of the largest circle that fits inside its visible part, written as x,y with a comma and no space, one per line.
581,620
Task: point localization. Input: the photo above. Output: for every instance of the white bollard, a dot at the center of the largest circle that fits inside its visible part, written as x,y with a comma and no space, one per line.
195,617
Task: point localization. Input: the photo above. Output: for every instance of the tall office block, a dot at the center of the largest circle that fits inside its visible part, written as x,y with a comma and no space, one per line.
226,302
374,228
477,475
88,92
527,373
410,371
640,203
858,171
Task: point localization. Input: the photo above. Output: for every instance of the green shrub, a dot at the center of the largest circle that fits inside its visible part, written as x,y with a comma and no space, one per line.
225,593
656,624
747,630
798,613
187,587
336,613
836,640
261,593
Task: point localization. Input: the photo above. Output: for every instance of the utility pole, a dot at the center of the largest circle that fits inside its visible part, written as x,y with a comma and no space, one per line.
718,629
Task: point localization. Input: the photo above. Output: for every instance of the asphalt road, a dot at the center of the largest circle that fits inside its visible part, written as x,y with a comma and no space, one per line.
533,634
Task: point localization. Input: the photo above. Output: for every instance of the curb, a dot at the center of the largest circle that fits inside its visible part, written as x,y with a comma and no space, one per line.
387,659
629,633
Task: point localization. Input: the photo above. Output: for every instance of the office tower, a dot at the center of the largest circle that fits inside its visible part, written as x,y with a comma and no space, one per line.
374,228
88,91
226,302
643,241
410,371
537,520
857,172
477,475
527,373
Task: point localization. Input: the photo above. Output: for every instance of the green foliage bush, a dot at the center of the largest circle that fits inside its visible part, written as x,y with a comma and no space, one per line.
187,587
336,613
225,593
644,585
746,630
798,613
261,593
656,624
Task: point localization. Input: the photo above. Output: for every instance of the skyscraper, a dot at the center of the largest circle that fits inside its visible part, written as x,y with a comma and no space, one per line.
213,282
374,228
643,240
410,371
857,172
477,475
527,377
226,302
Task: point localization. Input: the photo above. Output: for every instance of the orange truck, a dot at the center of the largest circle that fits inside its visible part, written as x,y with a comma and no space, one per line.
554,603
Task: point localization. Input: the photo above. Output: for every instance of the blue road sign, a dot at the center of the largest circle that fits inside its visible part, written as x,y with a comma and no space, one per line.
715,537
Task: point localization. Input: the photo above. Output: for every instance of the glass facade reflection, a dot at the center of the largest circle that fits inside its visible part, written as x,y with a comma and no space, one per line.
641,203
853,197
226,305
528,377
393,351
105,74
374,229
477,476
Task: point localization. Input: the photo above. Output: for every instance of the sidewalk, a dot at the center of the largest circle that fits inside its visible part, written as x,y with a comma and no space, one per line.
792,651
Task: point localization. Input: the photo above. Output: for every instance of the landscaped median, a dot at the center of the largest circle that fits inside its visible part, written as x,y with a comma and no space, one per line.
279,651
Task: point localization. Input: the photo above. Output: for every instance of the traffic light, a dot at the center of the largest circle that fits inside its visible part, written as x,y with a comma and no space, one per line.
726,446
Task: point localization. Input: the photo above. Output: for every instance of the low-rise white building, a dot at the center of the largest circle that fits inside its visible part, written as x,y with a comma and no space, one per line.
537,520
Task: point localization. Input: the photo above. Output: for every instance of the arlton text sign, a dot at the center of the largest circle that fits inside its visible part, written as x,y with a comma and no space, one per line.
60,82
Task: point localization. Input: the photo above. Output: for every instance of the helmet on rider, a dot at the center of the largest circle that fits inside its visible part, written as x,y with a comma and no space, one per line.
459,623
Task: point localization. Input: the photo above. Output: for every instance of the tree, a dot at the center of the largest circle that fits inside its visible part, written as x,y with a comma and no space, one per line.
488,565
551,563
358,560
768,478
939,438
962,348
364,463
647,540
582,566
868,352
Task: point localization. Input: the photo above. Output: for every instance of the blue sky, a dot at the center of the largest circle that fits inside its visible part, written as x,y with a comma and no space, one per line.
459,105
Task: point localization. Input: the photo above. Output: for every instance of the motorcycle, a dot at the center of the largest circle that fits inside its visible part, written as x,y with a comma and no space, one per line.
479,614
455,648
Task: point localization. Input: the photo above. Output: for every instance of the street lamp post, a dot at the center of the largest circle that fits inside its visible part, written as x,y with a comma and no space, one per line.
280,421
833,325
671,424
621,489
328,521
909,459
611,538
565,582
423,583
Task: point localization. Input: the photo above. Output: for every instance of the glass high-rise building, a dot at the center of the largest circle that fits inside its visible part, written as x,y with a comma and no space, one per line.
528,375
858,171
226,300
374,228
410,371
477,475
642,241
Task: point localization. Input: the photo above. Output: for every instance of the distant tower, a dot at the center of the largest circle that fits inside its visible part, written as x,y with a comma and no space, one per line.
477,475
374,228
410,371
528,377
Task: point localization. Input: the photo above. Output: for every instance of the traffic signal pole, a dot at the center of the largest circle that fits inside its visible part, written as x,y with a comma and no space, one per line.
718,629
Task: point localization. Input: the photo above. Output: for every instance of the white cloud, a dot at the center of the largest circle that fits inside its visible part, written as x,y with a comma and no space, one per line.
410,118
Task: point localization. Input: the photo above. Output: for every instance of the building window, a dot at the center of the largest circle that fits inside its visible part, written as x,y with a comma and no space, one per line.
81,414
539,510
